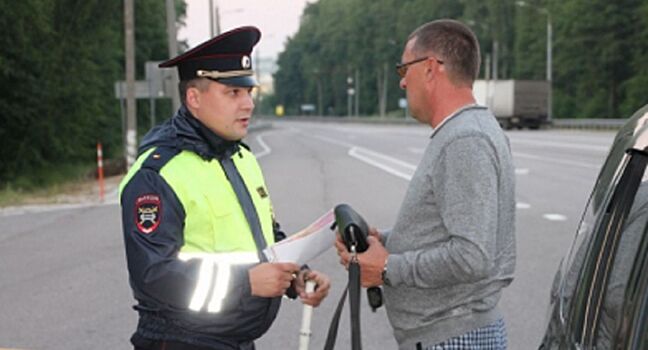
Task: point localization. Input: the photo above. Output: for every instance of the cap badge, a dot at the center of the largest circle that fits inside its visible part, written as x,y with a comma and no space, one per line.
245,62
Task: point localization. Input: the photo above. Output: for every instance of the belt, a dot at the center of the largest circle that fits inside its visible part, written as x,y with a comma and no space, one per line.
149,344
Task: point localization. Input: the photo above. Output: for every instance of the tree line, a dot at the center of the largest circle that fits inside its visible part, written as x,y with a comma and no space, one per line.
599,46
58,64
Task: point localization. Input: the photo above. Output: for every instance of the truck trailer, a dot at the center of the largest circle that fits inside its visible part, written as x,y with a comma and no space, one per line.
515,103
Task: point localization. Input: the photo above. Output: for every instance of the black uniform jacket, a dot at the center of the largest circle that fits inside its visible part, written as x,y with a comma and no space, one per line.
162,284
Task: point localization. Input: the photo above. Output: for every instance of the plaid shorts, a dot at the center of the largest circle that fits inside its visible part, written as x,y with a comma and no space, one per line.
491,337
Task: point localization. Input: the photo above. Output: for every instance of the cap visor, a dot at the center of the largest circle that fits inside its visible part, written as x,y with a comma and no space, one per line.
246,81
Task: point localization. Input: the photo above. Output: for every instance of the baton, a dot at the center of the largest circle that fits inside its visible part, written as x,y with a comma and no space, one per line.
305,331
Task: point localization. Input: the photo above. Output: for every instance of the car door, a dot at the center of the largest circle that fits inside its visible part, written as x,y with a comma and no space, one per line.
591,284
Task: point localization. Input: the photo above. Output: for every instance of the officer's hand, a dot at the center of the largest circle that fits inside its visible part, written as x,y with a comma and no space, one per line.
322,286
271,279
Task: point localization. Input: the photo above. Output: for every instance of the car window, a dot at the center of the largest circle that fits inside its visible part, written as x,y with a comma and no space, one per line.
623,262
591,258
603,190
633,327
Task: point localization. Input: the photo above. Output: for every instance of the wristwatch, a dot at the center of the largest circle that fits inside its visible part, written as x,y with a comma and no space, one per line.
383,275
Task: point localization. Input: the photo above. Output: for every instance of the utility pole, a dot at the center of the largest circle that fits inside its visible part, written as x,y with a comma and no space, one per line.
211,18
131,112
357,92
217,22
318,80
495,59
173,49
382,91
350,93
549,66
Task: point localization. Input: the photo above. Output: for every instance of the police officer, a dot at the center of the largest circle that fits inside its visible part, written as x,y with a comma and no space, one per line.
196,214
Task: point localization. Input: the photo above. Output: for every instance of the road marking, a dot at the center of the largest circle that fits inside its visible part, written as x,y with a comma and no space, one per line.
416,150
556,161
521,205
554,217
356,152
521,171
266,150
563,145
334,141
365,155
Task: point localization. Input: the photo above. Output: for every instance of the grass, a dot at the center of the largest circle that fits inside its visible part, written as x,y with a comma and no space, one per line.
49,185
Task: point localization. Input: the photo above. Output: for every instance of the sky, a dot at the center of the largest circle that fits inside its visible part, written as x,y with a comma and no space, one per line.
277,20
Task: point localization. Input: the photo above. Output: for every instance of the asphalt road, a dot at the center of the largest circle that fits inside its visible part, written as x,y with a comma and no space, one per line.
63,282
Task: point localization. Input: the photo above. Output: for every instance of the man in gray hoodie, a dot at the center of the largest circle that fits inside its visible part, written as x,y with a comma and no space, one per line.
452,249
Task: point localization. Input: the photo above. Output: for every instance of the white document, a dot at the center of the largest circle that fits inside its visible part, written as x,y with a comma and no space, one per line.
306,244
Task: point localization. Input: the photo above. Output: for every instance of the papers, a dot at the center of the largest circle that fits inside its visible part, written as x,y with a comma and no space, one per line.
306,244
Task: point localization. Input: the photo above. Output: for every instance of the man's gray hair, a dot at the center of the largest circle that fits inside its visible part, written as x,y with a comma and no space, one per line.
454,44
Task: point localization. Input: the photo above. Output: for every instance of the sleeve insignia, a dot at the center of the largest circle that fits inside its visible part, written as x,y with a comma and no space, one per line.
148,213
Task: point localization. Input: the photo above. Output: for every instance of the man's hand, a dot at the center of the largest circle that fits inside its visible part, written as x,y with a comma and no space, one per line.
372,261
271,279
375,233
322,286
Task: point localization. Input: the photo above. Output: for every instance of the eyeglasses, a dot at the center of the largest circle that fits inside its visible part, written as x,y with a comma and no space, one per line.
401,68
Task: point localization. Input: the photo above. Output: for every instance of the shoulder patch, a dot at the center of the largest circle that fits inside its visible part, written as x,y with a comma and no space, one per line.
148,213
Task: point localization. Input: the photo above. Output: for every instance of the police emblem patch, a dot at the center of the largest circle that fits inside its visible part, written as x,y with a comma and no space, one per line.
148,213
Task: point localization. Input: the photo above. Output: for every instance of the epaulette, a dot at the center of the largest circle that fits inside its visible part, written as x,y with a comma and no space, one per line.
159,157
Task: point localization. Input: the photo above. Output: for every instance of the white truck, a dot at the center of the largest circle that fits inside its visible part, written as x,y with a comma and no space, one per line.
515,103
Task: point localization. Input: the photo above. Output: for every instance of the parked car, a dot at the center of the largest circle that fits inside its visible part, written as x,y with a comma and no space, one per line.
599,298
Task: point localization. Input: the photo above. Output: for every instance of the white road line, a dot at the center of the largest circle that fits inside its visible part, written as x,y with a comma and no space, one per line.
266,150
521,205
356,152
556,161
562,145
334,141
554,217
521,171
415,150
385,157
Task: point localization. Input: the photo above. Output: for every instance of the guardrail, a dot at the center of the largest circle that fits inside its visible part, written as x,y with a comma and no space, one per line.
586,124
595,124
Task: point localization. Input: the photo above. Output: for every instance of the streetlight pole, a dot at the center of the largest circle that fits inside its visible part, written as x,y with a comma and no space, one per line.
549,67
549,56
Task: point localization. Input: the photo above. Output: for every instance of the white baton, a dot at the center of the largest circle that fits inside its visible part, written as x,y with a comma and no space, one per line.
305,332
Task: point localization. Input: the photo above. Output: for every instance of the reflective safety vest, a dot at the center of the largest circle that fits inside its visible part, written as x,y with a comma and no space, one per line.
216,230
215,222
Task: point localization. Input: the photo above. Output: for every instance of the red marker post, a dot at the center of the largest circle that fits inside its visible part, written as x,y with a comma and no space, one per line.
100,171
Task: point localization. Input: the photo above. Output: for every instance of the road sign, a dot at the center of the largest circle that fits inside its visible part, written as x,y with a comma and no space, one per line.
158,83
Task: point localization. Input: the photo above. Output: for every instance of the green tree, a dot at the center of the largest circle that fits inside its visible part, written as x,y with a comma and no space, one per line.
57,70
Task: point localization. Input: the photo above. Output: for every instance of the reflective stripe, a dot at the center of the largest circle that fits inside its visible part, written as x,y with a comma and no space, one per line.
220,290
202,287
222,277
